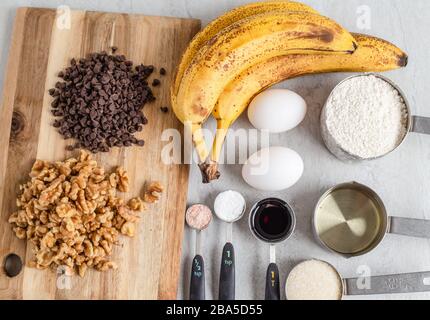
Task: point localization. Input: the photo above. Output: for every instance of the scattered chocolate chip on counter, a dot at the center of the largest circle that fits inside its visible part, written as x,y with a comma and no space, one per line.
163,71
99,101
164,109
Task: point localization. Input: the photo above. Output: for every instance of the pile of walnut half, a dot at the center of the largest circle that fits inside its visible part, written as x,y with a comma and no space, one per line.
71,213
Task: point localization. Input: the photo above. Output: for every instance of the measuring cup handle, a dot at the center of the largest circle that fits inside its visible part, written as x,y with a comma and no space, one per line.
227,274
273,291
410,227
397,283
420,125
197,283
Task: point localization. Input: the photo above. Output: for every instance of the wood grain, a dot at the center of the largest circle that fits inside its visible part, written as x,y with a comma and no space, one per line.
41,46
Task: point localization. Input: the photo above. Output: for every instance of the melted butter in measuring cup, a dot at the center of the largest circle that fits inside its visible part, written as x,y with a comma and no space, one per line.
348,221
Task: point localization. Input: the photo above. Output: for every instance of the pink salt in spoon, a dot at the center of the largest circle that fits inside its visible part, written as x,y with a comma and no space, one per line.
198,217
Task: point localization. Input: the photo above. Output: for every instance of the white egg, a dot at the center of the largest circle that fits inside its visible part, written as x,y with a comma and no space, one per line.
277,110
273,169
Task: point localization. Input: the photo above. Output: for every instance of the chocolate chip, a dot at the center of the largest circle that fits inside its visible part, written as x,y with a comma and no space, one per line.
99,101
162,71
164,109
12,265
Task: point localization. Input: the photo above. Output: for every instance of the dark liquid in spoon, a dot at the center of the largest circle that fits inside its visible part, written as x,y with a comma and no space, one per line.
272,220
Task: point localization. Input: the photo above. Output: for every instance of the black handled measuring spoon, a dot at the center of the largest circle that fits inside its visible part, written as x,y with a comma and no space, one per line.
198,217
272,221
229,207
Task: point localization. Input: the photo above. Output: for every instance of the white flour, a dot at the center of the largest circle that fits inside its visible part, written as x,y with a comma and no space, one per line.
366,116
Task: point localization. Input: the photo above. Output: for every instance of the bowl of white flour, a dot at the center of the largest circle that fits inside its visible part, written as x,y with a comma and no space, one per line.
365,117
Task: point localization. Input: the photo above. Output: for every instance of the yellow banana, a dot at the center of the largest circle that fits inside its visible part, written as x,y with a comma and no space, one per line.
210,31
372,55
223,21
244,44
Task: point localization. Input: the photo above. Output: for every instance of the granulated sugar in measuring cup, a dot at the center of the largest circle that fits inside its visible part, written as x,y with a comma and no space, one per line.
314,280
367,117
318,280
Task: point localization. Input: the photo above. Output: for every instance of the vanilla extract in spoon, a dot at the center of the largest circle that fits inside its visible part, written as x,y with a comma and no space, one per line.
272,221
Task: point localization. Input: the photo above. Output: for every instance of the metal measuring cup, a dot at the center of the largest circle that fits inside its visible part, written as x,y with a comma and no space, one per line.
272,275
350,219
415,124
227,281
375,285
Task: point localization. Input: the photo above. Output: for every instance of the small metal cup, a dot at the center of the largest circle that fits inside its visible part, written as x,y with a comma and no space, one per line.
337,238
350,219
415,124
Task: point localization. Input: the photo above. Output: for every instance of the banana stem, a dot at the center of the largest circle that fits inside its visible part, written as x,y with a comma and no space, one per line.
200,145
210,169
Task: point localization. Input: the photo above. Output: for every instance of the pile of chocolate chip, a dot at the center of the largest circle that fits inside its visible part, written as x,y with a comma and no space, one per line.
99,101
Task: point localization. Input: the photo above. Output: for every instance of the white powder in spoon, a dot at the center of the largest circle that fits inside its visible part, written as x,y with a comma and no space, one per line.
314,280
229,206
366,116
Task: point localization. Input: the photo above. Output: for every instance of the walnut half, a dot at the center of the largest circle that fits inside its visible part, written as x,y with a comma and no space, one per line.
153,192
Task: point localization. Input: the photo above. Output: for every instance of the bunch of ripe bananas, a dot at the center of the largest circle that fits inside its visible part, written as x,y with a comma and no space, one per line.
255,46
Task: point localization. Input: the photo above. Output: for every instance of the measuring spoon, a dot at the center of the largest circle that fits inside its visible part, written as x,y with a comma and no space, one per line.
229,206
351,220
415,124
272,221
304,274
198,217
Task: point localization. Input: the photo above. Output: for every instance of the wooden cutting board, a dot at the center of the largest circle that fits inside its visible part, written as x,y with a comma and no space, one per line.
43,42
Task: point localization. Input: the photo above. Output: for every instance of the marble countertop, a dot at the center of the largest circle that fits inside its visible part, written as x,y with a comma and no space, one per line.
402,179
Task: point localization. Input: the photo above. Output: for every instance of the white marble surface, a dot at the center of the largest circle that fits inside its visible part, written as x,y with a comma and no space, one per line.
402,179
